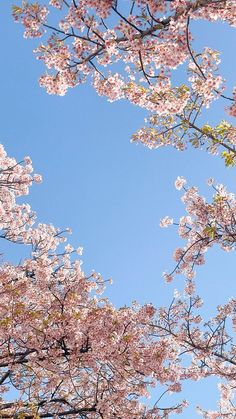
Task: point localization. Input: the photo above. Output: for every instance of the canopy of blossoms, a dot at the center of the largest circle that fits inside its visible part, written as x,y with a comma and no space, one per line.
130,50
65,350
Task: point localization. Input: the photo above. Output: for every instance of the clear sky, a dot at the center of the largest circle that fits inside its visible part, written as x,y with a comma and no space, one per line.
110,192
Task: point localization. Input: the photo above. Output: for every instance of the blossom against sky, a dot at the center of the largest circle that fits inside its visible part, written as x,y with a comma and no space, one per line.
110,192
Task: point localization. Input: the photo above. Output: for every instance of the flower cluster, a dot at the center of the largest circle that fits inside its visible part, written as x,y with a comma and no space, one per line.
232,109
205,225
32,16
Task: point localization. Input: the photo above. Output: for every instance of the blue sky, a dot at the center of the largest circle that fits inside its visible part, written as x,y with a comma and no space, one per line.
110,192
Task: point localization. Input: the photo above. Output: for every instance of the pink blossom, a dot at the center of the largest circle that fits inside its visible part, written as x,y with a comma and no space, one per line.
180,182
37,178
166,221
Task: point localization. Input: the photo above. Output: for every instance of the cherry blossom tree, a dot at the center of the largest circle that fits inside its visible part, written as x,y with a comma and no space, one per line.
65,350
129,50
